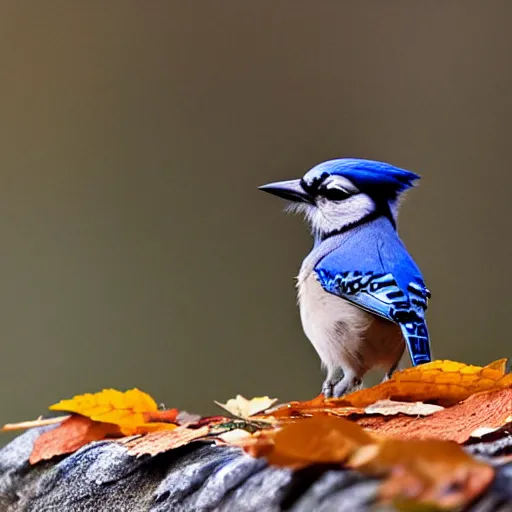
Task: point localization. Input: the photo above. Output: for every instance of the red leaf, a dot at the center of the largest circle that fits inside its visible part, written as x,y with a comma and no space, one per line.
488,409
71,435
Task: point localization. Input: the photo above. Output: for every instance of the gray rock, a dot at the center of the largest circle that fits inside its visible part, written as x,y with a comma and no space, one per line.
101,477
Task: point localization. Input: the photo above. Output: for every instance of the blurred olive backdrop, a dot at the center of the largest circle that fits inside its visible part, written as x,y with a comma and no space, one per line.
136,248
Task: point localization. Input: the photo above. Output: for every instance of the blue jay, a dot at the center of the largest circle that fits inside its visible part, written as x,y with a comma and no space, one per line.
362,298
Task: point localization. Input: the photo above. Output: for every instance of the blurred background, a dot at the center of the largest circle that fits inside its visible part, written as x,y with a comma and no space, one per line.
136,248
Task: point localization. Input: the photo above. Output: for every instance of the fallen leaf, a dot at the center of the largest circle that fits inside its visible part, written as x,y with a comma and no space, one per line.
442,382
320,439
392,408
488,409
127,409
318,406
244,408
72,434
163,441
428,472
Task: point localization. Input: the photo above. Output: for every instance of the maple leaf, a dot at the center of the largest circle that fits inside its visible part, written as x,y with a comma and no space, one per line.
244,408
74,432
441,382
130,409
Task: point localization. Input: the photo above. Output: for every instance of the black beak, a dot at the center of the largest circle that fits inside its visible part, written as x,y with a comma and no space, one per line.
291,190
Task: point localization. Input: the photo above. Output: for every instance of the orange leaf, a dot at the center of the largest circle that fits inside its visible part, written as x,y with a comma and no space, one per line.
487,409
166,416
441,382
320,439
158,442
499,364
428,472
316,406
323,440
126,409
72,434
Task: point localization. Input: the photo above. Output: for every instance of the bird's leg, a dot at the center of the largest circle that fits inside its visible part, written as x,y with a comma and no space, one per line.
333,377
339,382
392,370
350,382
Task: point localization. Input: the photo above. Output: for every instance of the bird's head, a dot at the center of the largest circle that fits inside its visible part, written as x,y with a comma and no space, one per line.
341,193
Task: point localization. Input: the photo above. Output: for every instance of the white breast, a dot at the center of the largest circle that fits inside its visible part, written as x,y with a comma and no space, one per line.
344,335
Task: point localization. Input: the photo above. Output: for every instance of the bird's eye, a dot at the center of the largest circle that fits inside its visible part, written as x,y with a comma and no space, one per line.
335,194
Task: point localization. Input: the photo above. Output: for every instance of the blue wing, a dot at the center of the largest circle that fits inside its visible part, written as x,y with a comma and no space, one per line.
372,269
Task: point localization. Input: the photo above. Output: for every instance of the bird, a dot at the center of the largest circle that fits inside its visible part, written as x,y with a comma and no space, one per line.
362,298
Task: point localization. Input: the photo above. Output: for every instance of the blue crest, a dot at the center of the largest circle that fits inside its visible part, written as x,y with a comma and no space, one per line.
365,174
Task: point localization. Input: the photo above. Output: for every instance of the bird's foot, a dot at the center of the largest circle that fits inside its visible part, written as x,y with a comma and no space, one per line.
347,385
339,383
333,378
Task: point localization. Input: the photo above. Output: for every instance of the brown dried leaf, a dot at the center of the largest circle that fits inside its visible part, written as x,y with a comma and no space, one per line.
318,406
163,441
72,434
320,439
488,409
429,472
323,440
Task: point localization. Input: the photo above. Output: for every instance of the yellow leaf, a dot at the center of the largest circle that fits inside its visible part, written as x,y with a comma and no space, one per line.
244,408
112,406
442,382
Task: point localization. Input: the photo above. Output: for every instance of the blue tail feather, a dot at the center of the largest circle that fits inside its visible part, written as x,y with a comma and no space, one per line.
416,338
